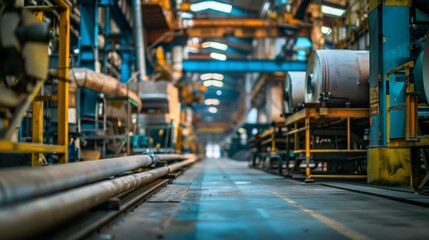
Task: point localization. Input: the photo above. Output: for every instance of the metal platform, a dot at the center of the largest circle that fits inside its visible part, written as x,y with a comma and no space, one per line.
224,199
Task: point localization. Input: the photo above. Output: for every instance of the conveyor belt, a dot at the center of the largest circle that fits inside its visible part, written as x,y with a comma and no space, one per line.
223,199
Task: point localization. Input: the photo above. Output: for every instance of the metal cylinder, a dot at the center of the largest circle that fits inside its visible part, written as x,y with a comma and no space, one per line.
41,214
294,91
22,183
338,78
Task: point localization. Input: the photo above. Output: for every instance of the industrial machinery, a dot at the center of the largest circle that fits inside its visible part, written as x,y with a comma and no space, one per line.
26,42
397,154
158,121
328,136
24,64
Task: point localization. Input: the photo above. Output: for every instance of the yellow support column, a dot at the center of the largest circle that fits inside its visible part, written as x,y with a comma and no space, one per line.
348,133
307,150
37,131
37,119
63,73
273,140
295,138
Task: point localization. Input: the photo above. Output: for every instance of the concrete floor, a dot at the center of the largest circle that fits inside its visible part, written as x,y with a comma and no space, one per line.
224,199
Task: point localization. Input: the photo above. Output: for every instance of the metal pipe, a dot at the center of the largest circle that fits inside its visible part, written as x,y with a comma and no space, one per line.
138,36
102,83
22,183
34,217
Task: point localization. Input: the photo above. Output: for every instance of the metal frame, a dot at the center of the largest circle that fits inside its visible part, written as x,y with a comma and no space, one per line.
307,115
412,140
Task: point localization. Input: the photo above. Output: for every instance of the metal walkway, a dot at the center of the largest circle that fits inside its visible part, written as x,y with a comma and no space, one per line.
224,199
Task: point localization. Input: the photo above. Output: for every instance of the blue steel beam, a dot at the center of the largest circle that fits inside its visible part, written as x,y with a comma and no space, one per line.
245,65
88,55
117,15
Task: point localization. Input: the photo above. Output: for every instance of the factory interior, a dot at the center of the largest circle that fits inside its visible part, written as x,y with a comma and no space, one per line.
214,119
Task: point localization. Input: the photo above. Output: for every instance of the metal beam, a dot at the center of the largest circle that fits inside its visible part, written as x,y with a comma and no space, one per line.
210,23
15,147
63,86
237,32
239,28
245,65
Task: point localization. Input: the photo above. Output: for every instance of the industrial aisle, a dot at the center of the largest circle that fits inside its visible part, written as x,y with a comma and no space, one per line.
224,199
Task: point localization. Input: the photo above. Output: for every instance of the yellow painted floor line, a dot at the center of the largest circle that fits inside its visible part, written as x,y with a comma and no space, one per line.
340,228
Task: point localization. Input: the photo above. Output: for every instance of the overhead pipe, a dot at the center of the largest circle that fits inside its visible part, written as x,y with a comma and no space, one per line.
102,83
139,41
23,183
40,215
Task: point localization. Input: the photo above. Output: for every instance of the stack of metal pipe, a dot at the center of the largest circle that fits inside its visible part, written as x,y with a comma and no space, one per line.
34,200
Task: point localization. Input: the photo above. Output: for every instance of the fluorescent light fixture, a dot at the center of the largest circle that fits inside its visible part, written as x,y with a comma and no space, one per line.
192,50
218,56
186,15
211,101
195,41
212,109
325,30
213,83
214,76
213,5
76,51
218,92
333,11
254,131
215,45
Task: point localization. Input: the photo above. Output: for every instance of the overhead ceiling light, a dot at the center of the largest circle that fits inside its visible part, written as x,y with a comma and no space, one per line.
214,5
212,109
213,83
218,92
242,130
325,30
186,15
192,50
265,8
211,101
215,45
76,51
254,131
218,56
195,40
332,9
215,76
